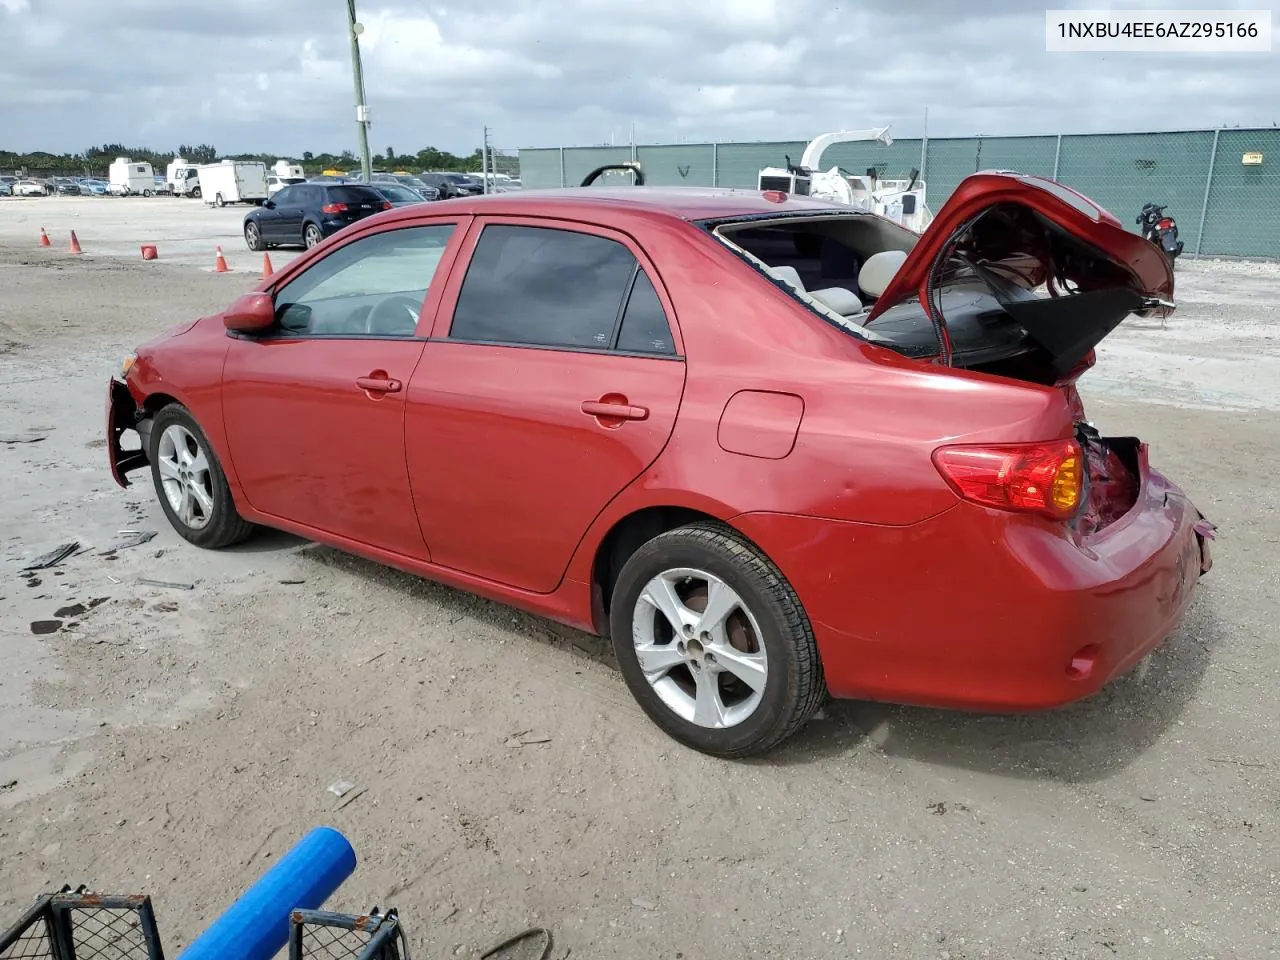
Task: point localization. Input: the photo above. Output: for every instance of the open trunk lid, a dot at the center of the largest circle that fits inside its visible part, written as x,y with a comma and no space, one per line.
1062,268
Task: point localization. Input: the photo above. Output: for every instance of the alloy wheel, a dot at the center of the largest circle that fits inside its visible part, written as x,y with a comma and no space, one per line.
699,647
185,476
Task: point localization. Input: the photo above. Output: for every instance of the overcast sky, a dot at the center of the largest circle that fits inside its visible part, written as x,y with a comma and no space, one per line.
275,75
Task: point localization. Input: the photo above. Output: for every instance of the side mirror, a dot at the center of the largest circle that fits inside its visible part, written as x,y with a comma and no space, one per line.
269,204
250,313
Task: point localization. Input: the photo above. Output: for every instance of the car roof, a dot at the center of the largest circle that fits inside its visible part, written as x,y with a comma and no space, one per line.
683,203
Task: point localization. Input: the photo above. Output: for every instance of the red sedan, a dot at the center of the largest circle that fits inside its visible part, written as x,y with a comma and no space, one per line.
773,447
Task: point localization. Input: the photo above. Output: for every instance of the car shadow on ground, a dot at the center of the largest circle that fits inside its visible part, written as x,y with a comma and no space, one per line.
1086,741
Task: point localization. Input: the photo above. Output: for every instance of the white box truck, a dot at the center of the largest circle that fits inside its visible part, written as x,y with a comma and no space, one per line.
126,178
183,178
233,181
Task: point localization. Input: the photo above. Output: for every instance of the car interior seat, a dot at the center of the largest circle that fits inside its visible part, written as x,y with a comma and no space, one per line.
879,270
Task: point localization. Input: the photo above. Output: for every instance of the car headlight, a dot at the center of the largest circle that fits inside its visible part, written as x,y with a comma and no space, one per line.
127,364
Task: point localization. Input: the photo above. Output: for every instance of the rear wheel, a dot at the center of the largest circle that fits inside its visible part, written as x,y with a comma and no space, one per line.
195,192
311,235
190,484
218,201
146,193
713,643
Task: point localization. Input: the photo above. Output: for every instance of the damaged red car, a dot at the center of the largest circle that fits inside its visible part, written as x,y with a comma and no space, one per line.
776,449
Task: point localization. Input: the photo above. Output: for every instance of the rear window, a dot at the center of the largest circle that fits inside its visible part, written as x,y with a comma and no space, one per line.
351,194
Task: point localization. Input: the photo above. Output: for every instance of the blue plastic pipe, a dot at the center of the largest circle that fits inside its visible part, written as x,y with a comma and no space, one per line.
256,926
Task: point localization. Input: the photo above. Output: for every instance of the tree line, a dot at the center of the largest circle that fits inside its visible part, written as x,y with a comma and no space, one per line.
96,159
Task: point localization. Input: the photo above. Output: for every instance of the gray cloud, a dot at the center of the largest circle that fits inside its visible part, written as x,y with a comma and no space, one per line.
247,75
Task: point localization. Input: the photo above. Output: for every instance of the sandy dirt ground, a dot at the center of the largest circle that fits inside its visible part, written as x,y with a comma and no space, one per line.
176,741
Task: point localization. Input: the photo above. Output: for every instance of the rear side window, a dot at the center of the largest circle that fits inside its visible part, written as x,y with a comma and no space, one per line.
644,322
543,286
354,195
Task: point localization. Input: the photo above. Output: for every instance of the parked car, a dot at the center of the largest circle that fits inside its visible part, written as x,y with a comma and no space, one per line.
67,187
30,188
417,184
398,194
718,426
307,213
452,184
96,188
5,189
276,183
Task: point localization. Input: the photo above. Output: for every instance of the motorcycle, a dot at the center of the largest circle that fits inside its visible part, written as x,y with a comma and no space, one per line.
1160,230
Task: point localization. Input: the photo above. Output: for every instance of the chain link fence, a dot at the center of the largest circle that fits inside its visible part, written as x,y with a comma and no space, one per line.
1222,186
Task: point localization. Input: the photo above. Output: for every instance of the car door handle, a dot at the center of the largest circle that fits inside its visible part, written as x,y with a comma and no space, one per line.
378,384
615,411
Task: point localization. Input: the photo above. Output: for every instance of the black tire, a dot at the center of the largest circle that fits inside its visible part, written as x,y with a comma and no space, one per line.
218,201
794,687
225,526
311,235
253,237
147,194
195,193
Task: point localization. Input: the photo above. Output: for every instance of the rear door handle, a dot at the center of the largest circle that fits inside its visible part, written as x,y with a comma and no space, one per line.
616,411
378,384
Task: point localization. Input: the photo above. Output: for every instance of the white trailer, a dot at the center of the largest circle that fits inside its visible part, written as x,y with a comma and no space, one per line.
287,170
182,177
233,181
126,178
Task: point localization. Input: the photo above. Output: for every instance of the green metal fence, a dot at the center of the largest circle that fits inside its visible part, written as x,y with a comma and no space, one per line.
1222,185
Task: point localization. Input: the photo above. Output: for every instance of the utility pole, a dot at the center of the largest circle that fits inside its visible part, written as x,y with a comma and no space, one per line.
355,28
484,159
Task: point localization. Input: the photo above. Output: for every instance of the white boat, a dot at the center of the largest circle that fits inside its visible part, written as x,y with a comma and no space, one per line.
902,201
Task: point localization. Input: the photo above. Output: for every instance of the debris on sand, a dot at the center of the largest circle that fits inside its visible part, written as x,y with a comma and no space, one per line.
54,556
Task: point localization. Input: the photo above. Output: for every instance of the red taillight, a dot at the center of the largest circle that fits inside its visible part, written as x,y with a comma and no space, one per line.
334,208
386,204
1043,478
1165,223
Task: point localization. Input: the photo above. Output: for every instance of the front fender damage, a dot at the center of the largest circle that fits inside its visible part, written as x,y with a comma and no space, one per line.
122,415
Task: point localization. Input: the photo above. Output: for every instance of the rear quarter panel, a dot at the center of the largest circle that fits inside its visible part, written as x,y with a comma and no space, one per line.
871,418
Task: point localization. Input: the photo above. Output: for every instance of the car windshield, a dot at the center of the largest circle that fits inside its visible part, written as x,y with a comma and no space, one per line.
397,193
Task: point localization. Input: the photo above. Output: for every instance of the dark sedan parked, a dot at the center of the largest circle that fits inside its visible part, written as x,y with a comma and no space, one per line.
398,195
452,184
305,213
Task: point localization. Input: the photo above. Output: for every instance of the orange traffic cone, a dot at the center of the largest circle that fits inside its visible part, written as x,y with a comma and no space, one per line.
266,266
220,263
44,238
75,244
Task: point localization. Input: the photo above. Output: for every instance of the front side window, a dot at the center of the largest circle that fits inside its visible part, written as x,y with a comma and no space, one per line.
372,287
543,286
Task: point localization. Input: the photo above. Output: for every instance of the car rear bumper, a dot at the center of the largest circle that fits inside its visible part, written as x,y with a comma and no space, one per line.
122,415
979,610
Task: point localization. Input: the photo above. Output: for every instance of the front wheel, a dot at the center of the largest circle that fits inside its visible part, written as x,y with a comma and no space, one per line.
190,484
196,193
713,643
253,237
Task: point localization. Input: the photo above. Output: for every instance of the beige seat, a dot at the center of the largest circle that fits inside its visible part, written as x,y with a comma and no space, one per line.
879,270
842,301
788,275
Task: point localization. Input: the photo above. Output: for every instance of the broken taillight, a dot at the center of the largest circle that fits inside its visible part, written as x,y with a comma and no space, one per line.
334,208
1042,478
